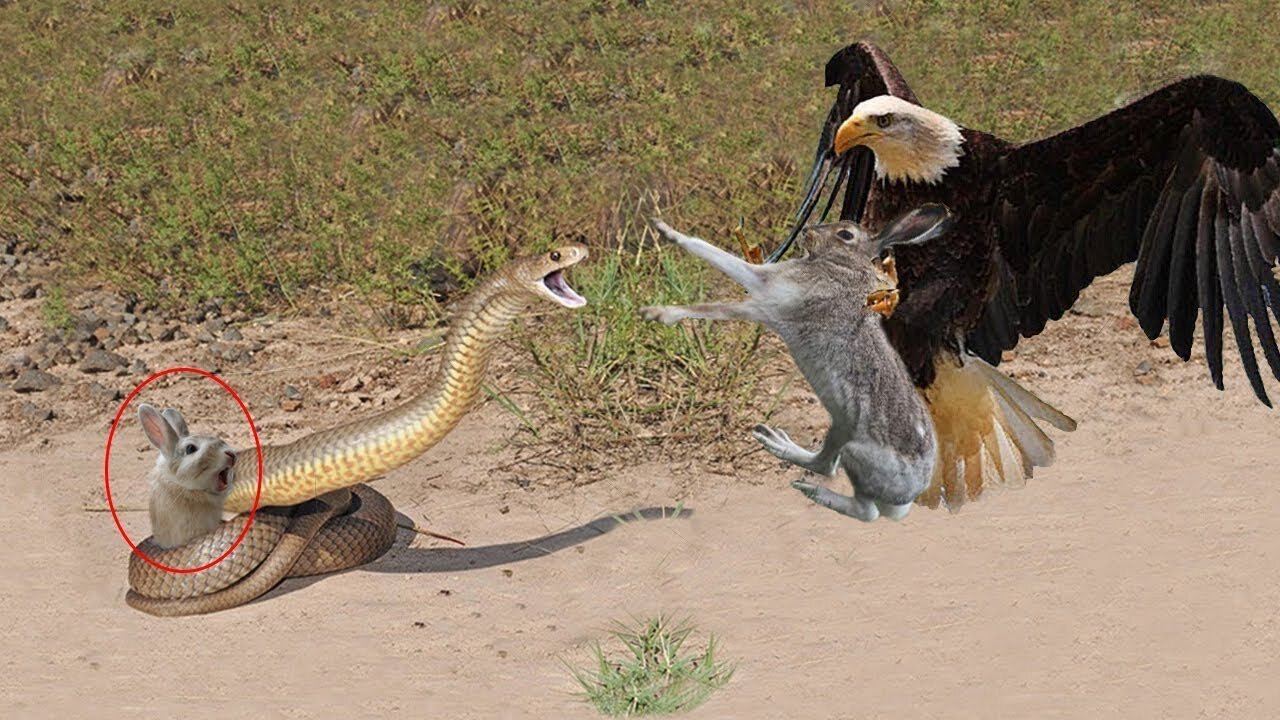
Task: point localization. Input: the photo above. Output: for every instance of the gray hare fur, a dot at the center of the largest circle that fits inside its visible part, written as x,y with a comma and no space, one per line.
881,432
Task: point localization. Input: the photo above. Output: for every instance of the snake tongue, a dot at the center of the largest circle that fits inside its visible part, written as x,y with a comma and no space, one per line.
555,282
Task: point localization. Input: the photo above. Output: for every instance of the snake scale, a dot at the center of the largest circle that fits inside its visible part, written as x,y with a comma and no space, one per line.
316,515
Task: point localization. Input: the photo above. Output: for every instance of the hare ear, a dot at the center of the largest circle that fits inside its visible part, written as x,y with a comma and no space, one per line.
917,226
158,430
175,419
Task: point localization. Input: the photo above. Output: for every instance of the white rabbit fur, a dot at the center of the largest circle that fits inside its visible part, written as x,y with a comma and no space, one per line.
190,479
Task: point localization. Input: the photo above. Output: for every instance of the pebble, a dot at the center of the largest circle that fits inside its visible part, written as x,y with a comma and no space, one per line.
138,367
292,393
102,360
232,335
351,384
1143,368
32,380
216,325
289,405
35,413
104,394
4,324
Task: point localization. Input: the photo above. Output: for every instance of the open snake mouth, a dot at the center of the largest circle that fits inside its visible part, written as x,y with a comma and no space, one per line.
555,283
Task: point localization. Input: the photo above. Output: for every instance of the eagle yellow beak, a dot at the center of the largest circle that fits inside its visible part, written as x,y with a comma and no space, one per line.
851,132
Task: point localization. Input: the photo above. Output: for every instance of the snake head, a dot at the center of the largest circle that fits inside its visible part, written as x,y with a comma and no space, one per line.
543,275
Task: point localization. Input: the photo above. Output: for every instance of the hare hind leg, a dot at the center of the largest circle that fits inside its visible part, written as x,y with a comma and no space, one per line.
860,508
884,483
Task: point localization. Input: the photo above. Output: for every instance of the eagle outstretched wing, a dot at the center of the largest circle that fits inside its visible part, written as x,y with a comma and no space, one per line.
1186,182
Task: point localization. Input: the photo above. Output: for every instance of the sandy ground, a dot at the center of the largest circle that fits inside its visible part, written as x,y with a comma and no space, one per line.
1138,577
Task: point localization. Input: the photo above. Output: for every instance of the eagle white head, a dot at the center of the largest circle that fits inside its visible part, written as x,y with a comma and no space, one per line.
909,142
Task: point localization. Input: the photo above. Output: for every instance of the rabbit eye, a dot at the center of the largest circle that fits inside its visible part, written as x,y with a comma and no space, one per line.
885,120
189,449
845,235
555,256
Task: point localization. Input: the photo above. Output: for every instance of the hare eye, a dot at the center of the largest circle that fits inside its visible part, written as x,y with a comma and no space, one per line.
555,256
845,235
885,120
189,449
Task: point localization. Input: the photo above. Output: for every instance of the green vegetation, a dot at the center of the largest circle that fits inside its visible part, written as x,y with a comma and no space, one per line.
256,151
653,678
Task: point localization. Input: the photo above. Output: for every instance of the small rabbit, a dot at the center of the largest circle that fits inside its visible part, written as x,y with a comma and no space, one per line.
190,480
828,306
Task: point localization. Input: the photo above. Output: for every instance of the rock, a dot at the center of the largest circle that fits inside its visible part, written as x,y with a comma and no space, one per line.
1143,368
4,324
1160,342
216,325
351,384
101,360
204,338
102,334
1090,308
168,333
35,413
32,380
138,367
30,292
292,393
388,396
232,334
289,405
230,353
104,394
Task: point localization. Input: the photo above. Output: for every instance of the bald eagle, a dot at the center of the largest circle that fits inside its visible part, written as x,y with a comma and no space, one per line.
1184,181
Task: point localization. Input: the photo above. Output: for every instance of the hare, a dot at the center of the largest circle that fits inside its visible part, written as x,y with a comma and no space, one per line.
828,306
190,479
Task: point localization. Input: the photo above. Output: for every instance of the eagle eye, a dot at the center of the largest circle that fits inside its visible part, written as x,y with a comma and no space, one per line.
884,120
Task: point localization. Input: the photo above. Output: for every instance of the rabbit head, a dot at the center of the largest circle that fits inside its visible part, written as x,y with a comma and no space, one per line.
195,462
848,238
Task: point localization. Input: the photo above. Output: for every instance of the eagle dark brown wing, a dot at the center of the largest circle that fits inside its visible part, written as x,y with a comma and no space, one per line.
1185,181
862,71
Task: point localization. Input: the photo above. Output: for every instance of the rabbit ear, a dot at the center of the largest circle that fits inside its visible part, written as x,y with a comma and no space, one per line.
175,419
917,226
158,430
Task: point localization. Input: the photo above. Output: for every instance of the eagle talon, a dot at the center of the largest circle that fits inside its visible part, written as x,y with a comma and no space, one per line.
889,269
883,301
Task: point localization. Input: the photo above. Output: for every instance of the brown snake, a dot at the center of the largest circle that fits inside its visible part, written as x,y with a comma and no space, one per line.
316,515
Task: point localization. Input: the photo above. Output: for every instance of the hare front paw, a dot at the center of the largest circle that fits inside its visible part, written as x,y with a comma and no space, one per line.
665,314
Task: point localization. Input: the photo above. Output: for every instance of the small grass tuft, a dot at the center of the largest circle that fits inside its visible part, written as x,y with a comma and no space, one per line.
654,678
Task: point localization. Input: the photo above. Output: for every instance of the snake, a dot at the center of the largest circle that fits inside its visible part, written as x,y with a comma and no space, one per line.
316,512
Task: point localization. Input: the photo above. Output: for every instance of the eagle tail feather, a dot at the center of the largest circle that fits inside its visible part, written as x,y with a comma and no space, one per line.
987,430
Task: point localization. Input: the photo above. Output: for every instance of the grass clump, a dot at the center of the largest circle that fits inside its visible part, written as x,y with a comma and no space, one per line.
610,374
654,677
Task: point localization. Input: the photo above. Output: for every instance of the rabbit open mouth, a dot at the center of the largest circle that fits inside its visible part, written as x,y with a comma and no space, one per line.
227,474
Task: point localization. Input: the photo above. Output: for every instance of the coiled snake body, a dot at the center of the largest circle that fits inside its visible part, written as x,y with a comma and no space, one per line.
315,515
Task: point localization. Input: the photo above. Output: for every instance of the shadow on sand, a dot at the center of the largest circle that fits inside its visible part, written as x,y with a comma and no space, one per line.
404,559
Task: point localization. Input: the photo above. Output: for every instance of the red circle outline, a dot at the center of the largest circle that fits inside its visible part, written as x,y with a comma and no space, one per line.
106,469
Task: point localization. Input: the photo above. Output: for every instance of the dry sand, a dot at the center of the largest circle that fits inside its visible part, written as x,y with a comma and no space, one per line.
1138,577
